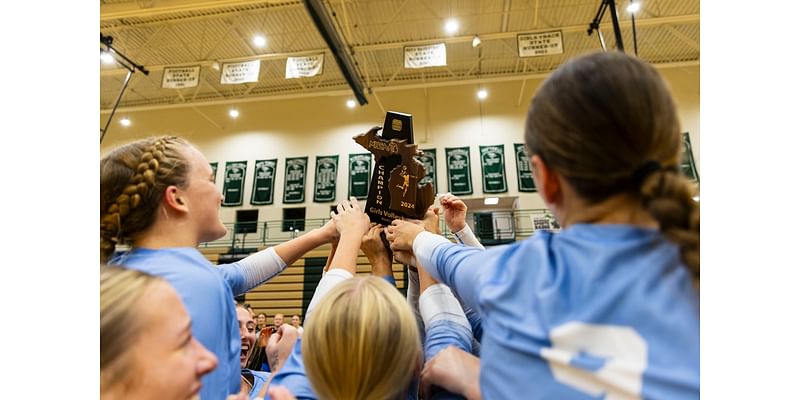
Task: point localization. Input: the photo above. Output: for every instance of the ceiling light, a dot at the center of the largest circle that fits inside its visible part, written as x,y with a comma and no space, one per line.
125,121
106,57
696,198
215,66
351,103
451,26
482,94
633,7
234,113
259,41
490,201
476,41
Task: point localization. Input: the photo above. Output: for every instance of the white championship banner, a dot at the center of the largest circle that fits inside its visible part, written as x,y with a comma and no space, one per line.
304,67
540,44
434,55
180,77
241,72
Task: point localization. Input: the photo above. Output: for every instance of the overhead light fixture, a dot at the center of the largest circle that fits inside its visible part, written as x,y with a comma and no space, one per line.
125,121
351,103
482,93
476,41
451,26
106,57
259,40
215,66
633,7
490,201
234,113
696,198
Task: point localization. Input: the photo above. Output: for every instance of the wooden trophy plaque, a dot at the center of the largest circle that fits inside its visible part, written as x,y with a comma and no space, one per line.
394,191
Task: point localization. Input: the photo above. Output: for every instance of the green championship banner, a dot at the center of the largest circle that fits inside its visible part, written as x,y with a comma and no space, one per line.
428,158
525,181
359,166
214,170
233,189
325,178
687,160
493,168
263,182
294,183
459,176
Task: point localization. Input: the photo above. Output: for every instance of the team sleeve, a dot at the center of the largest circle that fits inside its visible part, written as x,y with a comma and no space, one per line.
466,237
456,266
253,270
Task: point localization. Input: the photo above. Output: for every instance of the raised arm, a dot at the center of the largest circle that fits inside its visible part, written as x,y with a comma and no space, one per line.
260,267
456,266
379,256
455,216
352,223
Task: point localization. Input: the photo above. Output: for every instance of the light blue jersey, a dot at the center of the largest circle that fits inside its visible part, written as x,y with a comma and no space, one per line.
207,293
596,311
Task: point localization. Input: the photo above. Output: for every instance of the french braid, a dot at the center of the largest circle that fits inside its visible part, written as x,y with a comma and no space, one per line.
133,177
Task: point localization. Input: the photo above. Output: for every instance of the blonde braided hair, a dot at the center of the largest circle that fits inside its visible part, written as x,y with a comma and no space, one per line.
132,179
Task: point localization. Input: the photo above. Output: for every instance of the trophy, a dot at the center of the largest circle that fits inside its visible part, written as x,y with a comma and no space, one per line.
394,190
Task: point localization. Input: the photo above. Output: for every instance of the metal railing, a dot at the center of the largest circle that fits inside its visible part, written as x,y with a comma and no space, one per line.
506,226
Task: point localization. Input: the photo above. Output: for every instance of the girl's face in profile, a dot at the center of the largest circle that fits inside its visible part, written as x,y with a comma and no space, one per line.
166,361
203,197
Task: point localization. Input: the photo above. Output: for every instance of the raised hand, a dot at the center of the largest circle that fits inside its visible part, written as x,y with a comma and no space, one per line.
263,337
401,234
431,220
372,244
280,345
455,212
330,232
454,370
349,218
405,257
374,248
352,223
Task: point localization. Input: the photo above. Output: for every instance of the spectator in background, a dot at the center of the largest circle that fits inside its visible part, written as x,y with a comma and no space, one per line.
276,350
277,321
296,323
261,323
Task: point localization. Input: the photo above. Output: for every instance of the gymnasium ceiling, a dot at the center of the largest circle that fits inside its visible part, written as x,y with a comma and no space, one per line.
166,33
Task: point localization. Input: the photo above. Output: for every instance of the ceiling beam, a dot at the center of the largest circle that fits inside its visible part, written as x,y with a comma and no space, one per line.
694,44
341,50
504,21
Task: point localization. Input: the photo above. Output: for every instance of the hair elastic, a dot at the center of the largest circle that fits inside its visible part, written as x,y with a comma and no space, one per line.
644,171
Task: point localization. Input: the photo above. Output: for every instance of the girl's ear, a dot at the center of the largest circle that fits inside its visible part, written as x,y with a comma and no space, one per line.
173,199
547,181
